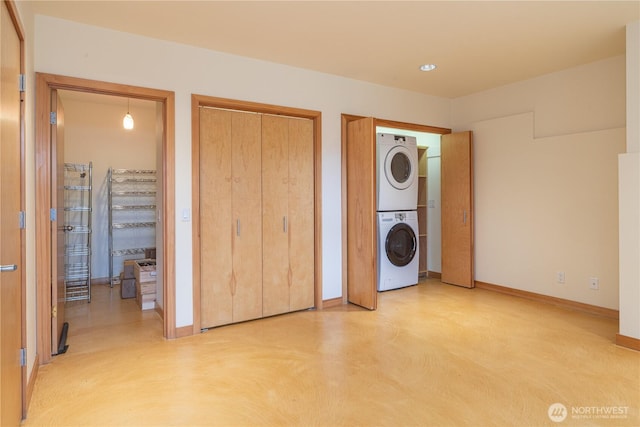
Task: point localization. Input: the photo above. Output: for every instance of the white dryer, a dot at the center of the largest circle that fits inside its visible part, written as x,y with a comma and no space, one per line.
396,172
397,249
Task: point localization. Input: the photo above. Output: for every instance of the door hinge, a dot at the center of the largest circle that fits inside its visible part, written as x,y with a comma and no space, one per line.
53,214
54,311
22,222
22,83
23,357
53,118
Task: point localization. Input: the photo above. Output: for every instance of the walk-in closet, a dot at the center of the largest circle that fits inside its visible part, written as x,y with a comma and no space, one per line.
111,209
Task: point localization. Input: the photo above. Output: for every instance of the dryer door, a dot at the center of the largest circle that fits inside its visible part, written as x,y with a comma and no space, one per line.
398,168
401,244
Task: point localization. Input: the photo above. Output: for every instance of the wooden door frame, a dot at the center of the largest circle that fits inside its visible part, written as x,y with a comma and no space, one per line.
15,18
44,84
198,101
345,119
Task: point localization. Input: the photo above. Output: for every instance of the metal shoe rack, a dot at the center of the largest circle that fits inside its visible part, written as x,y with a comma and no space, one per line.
77,217
132,206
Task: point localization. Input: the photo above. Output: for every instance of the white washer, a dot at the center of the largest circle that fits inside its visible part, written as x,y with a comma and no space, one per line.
396,172
397,249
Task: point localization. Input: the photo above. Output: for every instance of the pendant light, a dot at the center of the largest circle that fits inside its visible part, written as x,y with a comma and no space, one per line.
127,122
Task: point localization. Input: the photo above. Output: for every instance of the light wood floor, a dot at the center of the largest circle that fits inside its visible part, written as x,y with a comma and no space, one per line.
431,355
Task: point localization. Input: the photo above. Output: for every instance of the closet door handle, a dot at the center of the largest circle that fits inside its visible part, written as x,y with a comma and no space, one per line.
8,267
284,224
464,217
238,227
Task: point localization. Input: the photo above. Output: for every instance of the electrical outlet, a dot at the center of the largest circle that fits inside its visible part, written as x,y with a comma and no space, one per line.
560,277
594,283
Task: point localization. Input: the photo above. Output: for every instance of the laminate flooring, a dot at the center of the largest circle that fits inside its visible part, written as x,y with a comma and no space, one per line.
431,355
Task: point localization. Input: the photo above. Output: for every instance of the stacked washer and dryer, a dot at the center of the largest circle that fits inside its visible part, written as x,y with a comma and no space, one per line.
397,195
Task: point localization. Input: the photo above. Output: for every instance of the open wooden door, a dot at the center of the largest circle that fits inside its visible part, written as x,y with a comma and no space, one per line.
11,262
58,227
362,248
457,208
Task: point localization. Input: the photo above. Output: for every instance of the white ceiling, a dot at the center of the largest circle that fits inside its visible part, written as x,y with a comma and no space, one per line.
477,45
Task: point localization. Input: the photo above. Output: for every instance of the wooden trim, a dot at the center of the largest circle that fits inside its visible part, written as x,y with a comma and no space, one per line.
169,220
254,107
198,101
42,204
560,302
32,382
628,342
411,126
15,18
317,204
344,119
434,275
195,210
184,331
333,302
45,83
472,209
105,88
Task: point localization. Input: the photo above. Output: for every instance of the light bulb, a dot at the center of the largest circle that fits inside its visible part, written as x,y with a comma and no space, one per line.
428,67
127,122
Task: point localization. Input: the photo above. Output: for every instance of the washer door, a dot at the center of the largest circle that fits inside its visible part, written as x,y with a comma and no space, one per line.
401,244
398,168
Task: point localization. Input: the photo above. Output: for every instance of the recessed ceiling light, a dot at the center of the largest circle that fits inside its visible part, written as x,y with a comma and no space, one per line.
428,67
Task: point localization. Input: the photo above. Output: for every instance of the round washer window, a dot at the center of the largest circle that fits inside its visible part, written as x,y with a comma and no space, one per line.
400,244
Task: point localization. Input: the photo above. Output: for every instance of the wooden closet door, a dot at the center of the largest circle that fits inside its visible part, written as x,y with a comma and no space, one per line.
301,223
217,226
247,214
362,237
11,293
230,217
288,214
457,209
275,196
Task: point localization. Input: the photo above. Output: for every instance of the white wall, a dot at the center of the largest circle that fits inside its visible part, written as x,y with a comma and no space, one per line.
546,181
629,190
94,133
113,56
581,99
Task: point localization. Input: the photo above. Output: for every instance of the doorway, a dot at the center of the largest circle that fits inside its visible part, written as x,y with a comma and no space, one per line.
429,198
304,125
46,86
359,266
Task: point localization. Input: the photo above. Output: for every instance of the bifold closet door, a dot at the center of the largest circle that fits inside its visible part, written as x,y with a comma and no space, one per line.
275,212
230,217
456,170
301,214
247,213
288,221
